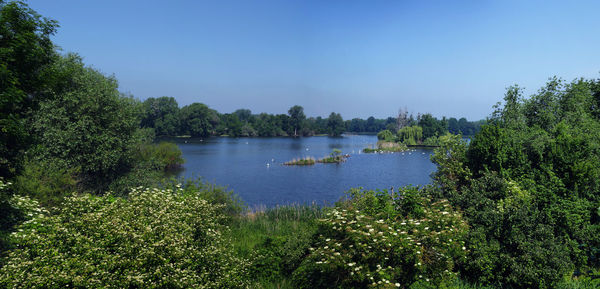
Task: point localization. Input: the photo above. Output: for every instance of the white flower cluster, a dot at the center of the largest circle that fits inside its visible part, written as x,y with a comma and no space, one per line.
155,238
381,251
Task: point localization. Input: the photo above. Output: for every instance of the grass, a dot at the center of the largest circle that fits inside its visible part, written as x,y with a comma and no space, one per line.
275,240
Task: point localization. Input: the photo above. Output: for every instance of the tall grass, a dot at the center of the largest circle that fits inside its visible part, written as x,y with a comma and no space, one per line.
275,240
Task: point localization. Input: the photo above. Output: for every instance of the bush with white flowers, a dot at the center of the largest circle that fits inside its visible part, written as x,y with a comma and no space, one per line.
390,241
154,239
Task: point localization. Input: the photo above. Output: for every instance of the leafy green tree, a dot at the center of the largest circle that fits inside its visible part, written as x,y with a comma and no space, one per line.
89,125
296,119
335,124
528,185
432,126
198,120
162,114
385,135
26,51
243,115
411,135
371,125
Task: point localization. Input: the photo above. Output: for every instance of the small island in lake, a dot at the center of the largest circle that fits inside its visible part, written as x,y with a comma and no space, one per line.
307,161
335,157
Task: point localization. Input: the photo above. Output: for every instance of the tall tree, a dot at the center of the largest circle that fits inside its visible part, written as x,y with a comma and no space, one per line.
162,114
89,125
297,117
335,124
198,120
26,52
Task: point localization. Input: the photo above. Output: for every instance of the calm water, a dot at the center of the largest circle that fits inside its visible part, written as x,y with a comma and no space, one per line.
241,165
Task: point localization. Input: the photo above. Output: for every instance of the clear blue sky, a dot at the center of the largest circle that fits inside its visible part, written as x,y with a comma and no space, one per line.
359,58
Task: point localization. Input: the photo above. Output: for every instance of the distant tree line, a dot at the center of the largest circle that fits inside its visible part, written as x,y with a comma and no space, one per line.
198,120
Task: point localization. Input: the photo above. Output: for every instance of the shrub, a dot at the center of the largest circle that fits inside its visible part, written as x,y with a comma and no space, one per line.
227,203
156,238
14,210
46,182
163,156
394,243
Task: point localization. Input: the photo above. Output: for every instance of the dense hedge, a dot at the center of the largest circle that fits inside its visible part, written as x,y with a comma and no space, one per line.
154,239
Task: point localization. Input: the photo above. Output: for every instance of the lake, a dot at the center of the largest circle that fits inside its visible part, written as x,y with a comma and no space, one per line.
253,167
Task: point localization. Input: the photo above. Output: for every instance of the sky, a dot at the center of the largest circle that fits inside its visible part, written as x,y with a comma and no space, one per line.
358,58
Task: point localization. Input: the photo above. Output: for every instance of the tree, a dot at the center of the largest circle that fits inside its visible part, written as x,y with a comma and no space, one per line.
335,124
371,126
385,135
297,117
402,119
162,114
89,125
198,120
26,52
528,185
243,114
431,126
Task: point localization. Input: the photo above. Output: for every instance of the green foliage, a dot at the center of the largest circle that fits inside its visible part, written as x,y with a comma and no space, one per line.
464,127
45,182
335,124
198,120
227,203
154,239
528,185
297,117
162,114
88,125
26,51
15,210
450,158
410,135
432,141
386,135
432,126
275,240
335,157
384,240
163,156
